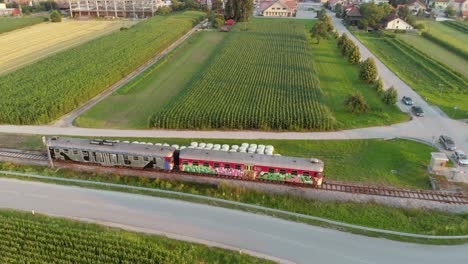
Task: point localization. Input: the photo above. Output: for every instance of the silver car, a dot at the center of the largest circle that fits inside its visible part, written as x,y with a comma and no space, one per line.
461,158
447,142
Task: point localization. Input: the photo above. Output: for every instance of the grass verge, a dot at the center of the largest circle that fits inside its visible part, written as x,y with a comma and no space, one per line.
363,214
10,24
42,239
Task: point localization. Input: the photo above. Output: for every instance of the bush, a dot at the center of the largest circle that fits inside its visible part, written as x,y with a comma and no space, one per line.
368,71
419,26
164,10
354,56
399,31
390,96
379,86
55,16
356,103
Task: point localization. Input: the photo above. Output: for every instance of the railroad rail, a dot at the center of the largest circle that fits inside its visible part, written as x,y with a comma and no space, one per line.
334,186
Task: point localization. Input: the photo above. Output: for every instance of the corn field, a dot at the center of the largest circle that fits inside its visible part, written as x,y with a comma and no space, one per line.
260,78
25,238
43,91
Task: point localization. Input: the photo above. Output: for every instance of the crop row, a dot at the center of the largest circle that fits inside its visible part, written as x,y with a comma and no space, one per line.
456,25
446,44
35,239
56,85
260,78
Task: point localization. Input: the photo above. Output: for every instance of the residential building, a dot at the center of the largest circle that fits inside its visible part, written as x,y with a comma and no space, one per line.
415,6
353,15
460,6
4,11
392,22
278,8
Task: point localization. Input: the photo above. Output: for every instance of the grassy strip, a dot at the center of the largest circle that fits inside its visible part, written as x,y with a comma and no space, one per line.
371,215
457,26
339,79
445,44
29,238
397,162
438,84
10,24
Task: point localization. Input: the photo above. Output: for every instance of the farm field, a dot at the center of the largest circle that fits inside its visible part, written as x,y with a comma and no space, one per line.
255,81
162,88
28,45
153,88
432,80
369,161
78,74
444,32
27,238
13,23
436,52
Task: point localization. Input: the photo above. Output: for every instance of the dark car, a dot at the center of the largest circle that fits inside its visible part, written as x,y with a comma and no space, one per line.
417,111
407,100
447,142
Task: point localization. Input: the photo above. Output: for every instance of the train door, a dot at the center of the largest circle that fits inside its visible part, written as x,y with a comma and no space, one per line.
113,159
249,171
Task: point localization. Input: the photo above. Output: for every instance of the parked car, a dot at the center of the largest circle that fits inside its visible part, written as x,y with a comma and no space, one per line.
461,158
447,142
417,111
407,100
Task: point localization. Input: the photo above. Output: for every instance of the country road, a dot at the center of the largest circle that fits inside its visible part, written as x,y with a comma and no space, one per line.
266,236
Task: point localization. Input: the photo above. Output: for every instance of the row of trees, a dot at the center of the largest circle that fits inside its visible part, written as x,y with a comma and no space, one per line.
323,28
349,49
239,10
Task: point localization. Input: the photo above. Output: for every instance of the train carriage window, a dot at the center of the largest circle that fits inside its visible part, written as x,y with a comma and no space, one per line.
75,152
206,164
227,166
282,171
216,165
125,157
65,150
238,167
195,163
135,158
271,170
185,162
145,159
306,173
294,172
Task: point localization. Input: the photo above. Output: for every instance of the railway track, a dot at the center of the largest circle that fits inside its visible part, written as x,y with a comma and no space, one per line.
334,186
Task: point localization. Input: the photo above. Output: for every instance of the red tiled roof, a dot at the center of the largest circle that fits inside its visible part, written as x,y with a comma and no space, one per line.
442,1
291,4
459,1
410,2
354,12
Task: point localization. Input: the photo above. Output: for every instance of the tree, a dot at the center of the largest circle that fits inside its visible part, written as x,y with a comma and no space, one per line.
354,56
390,96
373,14
55,16
216,5
449,11
404,12
321,13
239,10
342,40
338,9
368,71
379,86
356,103
328,23
164,10
319,30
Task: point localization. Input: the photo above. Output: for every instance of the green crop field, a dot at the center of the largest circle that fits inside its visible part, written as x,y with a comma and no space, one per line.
27,238
434,81
156,86
449,34
12,23
153,88
436,52
262,77
33,95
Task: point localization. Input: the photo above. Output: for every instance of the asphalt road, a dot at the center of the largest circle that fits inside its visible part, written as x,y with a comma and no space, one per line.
282,239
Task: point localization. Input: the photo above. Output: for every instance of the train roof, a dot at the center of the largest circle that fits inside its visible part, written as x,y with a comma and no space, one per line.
111,146
253,158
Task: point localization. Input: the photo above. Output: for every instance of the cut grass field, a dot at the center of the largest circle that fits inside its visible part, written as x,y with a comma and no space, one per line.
153,88
431,79
28,45
418,221
436,52
27,238
397,162
446,33
13,23
179,75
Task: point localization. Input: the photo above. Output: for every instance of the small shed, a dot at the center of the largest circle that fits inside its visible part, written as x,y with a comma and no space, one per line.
438,161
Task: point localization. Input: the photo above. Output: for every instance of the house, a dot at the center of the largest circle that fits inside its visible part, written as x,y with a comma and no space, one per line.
415,6
353,15
278,8
4,11
439,4
392,22
332,3
461,7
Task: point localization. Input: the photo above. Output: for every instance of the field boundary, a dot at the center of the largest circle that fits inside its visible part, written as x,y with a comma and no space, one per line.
67,120
232,203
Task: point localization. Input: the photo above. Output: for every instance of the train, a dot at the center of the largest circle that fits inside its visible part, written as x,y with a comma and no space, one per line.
195,160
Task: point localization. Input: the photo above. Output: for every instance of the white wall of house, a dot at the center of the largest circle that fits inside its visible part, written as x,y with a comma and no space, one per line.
277,9
398,23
